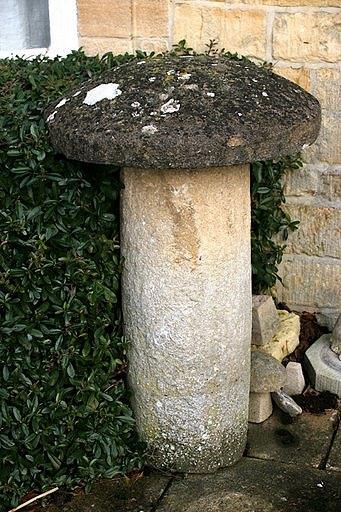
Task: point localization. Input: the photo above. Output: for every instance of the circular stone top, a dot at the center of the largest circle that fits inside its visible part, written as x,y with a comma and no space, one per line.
267,374
184,112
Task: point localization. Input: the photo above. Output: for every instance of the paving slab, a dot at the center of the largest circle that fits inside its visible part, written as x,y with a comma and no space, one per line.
305,442
122,495
334,461
256,486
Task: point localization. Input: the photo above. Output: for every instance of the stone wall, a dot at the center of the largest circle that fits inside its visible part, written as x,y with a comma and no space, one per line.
302,38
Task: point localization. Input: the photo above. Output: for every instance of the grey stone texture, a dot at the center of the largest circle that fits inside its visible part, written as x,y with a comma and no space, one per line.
295,381
256,485
185,112
186,287
267,374
260,407
323,366
264,319
303,442
286,403
336,338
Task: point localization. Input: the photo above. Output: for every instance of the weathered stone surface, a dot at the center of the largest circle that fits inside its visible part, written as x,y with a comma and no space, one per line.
322,182
108,18
264,319
309,36
123,495
327,89
237,30
286,403
327,147
150,18
267,374
305,442
334,461
286,338
295,382
100,45
187,315
311,283
336,338
255,485
323,366
260,407
319,232
189,112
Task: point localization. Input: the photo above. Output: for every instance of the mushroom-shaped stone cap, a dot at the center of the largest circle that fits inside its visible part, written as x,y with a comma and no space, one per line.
184,112
267,374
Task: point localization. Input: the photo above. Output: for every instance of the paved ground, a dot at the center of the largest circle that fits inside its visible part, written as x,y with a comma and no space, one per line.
287,467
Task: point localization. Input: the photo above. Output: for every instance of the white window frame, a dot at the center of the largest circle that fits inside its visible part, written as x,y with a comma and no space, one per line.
63,32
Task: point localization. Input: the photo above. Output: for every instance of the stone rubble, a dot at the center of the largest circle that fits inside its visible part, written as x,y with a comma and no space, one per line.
286,403
295,382
264,319
267,375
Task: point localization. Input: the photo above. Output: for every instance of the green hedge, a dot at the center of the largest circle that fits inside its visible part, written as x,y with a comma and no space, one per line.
64,407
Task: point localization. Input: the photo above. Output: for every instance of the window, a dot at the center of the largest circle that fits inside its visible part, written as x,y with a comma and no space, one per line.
30,27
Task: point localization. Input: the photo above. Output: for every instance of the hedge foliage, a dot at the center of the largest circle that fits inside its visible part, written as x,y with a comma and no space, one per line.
64,409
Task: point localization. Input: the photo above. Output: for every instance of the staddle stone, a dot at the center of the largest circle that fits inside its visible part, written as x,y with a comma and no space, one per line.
184,130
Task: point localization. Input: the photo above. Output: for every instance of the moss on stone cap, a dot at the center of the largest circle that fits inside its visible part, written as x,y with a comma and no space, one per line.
184,112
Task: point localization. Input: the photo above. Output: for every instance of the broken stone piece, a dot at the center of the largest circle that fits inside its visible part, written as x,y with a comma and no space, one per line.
286,338
286,403
267,374
295,382
323,366
336,338
264,319
260,407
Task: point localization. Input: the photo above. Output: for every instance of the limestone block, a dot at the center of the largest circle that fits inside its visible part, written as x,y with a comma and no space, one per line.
151,45
286,338
327,147
100,45
311,36
150,18
260,407
336,338
295,382
107,18
319,232
235,30
264,319
330,184
327,88
304,183
292,3
310,282
323,366
300,75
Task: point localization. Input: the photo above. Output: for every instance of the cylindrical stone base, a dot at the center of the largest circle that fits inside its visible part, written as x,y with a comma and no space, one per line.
185,238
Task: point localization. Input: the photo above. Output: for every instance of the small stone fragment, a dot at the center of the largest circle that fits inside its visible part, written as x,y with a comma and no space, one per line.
286,338
260,407
295,382
267,374
336,338
286,403
264,319
323,366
